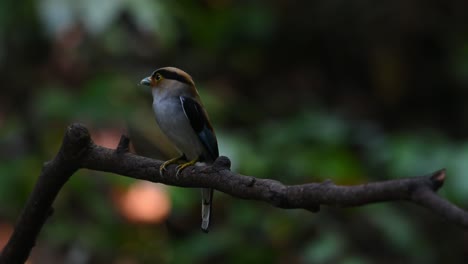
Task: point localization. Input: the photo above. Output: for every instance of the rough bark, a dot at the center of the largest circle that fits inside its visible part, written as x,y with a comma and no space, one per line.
78,151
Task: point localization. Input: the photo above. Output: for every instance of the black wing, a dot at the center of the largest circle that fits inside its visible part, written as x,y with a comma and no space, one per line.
200,124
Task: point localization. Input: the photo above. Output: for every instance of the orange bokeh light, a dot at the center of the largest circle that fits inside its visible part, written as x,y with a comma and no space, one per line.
6,230
144,202
108,138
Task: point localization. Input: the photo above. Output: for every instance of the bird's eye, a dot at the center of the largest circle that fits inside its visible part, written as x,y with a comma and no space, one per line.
157,77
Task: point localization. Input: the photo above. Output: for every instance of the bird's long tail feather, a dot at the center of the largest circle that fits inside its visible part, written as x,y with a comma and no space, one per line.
207,198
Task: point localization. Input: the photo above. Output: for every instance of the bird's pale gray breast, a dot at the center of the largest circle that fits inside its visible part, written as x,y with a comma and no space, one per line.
173,122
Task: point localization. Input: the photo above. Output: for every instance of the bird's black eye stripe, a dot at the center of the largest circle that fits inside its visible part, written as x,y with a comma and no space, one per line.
170,75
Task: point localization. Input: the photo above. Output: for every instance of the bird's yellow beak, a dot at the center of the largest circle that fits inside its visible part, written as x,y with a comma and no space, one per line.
146,81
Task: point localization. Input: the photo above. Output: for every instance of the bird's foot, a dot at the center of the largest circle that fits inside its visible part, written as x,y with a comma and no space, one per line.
162,168
185,165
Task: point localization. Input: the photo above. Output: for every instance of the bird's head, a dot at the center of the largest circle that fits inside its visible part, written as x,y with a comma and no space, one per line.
169,80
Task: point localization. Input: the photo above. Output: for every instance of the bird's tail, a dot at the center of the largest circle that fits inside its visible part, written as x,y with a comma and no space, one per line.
207,198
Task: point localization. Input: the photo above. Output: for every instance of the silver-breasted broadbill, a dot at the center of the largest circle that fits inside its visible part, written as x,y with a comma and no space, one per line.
183,119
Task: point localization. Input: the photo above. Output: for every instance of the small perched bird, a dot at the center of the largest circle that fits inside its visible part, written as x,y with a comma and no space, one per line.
183,119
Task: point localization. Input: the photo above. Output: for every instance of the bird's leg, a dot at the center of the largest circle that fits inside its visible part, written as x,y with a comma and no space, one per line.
162,168
185,165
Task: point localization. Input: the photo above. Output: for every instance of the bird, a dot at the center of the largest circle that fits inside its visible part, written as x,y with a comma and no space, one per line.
182,117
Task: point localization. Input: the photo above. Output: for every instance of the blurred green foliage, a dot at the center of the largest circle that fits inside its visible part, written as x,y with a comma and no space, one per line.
298,92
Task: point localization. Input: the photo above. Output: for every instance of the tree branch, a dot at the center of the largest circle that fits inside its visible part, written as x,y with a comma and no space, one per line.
79,151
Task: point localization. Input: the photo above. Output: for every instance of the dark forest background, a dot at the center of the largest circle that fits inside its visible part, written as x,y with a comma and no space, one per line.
298,91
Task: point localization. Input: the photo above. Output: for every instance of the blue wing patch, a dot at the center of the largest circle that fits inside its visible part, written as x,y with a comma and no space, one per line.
200,124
